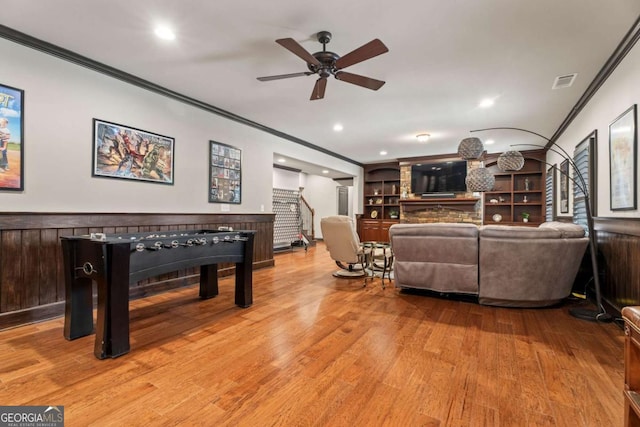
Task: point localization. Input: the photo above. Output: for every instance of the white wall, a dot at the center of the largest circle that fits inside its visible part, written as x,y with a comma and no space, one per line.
286,180
617,94
61,99
322,196
321,193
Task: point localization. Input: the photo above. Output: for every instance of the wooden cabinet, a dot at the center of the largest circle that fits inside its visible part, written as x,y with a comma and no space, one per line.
631,316
381,201
371,230
516,193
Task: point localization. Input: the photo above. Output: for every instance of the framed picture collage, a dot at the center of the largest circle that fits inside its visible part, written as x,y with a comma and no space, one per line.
225,173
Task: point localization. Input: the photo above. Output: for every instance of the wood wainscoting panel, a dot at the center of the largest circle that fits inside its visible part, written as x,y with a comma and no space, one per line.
31,274
619,248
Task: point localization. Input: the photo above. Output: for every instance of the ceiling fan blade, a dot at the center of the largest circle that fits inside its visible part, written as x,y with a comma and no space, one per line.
318,89
373,48
295,48
356,79
284,76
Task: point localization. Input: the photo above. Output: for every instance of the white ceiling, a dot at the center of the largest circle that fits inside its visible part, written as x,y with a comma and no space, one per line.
444,58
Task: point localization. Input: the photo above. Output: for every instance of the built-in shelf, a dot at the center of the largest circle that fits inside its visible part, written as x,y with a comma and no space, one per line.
381,201
506,203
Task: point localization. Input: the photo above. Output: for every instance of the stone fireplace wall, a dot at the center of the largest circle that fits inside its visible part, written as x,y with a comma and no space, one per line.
433,210
441,214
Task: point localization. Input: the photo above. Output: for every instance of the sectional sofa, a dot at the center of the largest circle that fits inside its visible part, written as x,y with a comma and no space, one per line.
510,266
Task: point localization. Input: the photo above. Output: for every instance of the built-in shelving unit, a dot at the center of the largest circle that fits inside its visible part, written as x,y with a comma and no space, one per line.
381,201
517,192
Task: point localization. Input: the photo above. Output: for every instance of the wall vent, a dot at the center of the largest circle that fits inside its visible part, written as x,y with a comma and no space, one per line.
562,82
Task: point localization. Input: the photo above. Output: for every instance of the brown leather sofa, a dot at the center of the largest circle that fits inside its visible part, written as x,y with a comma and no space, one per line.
510,266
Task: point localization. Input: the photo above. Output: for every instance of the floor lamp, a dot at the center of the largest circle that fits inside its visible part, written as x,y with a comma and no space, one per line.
512,161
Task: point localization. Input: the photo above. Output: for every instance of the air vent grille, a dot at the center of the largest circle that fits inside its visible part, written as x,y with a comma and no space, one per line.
562,82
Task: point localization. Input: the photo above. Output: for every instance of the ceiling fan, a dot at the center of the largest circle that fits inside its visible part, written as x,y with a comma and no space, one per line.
327,63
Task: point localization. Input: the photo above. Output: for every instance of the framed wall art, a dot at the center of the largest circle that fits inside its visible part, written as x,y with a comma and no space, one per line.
11,138
622,161
564,187
129,153
225,173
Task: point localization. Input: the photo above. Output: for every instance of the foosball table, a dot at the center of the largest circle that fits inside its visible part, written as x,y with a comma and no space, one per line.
116,261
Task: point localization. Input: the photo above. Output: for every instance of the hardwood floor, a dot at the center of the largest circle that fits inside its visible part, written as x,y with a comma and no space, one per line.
315,350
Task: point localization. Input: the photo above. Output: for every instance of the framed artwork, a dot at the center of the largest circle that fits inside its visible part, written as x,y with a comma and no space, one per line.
622,161
128,153
11,138
225,173
564,187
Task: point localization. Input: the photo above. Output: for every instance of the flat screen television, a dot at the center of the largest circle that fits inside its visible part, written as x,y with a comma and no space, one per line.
438,177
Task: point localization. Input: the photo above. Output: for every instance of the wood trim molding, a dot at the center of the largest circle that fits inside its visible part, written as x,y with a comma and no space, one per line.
627,226
29,220
465,204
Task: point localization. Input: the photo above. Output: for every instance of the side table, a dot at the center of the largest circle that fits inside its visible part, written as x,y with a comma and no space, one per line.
380,251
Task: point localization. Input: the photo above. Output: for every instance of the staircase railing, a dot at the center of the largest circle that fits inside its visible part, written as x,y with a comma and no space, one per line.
307,214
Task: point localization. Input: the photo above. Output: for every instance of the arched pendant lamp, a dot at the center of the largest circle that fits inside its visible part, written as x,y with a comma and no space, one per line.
510,161
470,148
480,179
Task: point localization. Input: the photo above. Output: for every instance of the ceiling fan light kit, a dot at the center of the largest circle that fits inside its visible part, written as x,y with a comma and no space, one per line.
326,64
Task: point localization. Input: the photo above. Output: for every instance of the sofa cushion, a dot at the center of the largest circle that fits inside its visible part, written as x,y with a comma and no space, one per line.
567,229
436,229
519,232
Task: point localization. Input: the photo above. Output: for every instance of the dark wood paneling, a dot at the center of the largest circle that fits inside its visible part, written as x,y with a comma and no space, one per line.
31,274
47,267
11,288
29,282
619,248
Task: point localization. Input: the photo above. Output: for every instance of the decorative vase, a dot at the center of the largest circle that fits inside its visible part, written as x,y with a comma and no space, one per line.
525,219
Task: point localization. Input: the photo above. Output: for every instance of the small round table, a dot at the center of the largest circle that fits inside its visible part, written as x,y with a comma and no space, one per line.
379,251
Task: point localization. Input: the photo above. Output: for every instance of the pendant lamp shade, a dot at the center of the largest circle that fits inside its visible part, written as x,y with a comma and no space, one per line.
480,179
470,148
510,161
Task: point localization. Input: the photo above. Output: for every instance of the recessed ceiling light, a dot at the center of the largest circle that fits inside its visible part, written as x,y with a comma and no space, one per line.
489,141
338,127
423,137
383,153
486,103
165,33
281,160
325,171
